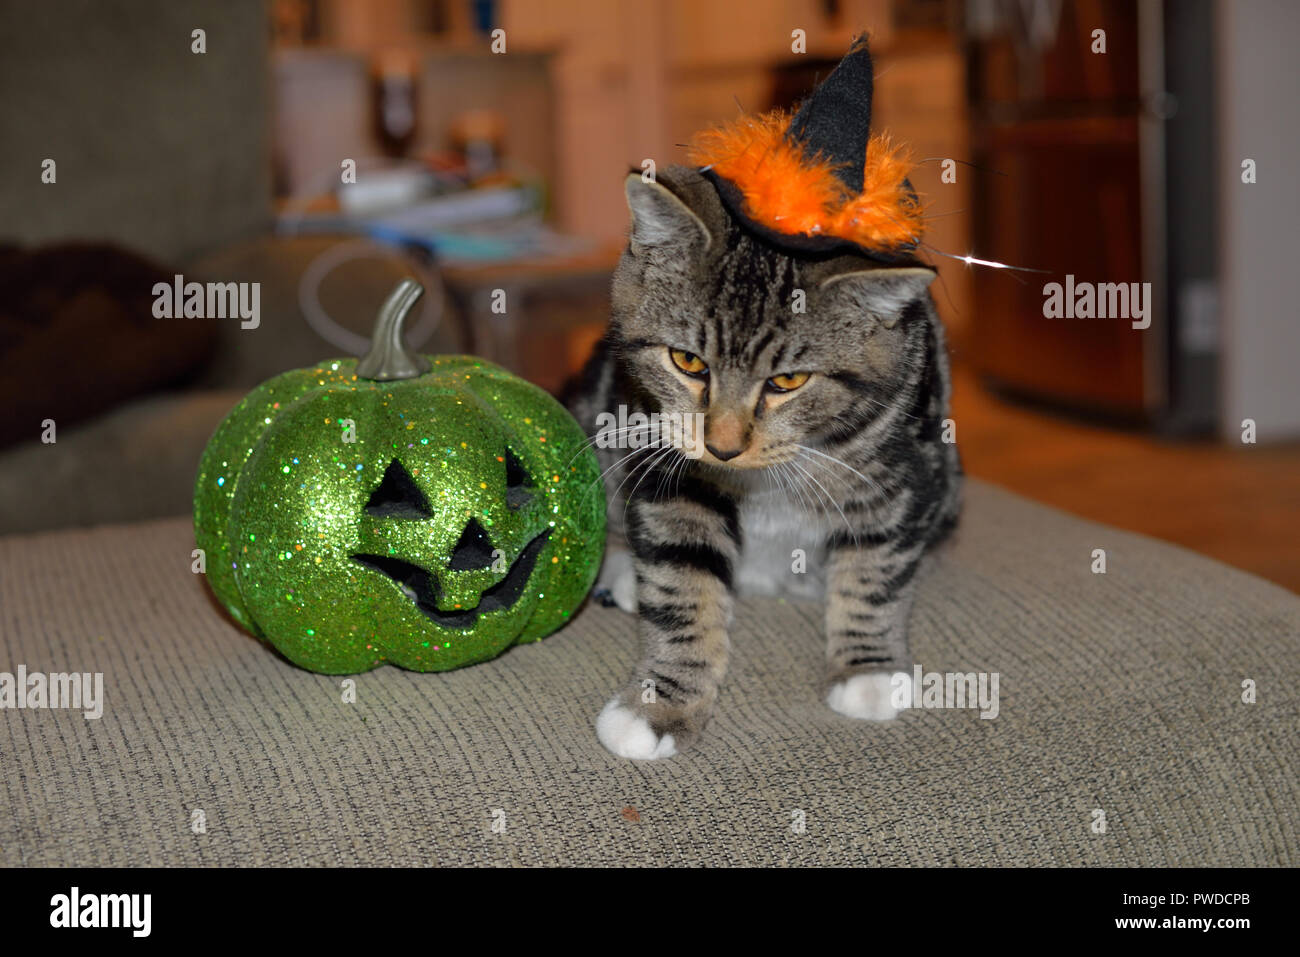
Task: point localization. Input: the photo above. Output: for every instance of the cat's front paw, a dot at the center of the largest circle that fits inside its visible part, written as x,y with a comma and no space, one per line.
633,728
868,697
617,582
629,735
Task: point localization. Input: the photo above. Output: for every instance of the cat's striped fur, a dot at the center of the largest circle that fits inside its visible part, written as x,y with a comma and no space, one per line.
850,467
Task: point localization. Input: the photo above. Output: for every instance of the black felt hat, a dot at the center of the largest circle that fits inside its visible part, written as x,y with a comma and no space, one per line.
817,181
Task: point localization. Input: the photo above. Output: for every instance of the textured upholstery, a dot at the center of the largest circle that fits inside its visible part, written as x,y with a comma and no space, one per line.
1119,692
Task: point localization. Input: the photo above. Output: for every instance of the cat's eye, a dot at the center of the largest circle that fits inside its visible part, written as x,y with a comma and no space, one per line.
787,381
688,362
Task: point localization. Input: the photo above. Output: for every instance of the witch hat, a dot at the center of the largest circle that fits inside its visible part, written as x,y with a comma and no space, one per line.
817,181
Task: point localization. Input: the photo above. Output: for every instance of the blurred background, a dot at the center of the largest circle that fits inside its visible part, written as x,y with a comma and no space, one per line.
326,148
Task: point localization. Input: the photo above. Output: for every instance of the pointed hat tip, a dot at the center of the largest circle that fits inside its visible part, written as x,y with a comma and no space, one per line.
835,120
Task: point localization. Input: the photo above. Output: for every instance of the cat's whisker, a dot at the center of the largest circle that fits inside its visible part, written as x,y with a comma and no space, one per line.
871,482
802,476
601,478
650,464
822,494
619,462
800,482
601,433
769,474
654,497
778,474
664,475
823,463
970,260
832,477
653,463
851,530
681,470
820,463
796,486
774,474
667,476
632,471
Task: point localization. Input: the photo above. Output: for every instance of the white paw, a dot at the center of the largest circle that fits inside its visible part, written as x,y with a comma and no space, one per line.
624,591
868,697
629,736
619,576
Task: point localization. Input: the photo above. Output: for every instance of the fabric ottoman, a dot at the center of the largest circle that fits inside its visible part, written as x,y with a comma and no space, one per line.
1121,735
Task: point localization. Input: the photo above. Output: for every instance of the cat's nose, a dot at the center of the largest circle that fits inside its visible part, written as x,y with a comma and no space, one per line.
726,435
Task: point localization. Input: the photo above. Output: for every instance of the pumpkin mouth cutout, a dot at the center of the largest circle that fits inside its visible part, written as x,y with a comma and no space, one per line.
421,587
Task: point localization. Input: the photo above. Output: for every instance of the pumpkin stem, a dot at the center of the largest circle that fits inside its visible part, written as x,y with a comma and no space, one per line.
388,358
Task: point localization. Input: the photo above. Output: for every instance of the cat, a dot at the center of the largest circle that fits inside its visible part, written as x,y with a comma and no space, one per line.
822,431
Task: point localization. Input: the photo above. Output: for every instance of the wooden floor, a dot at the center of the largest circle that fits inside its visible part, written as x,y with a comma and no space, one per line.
1239,504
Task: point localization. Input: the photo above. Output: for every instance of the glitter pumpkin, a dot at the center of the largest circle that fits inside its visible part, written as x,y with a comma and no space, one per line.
427,512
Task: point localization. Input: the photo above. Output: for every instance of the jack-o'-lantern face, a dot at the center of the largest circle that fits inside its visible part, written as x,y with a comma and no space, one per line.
429,522
399,498
458,573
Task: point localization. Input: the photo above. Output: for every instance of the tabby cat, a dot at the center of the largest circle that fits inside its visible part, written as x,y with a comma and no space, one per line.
823,382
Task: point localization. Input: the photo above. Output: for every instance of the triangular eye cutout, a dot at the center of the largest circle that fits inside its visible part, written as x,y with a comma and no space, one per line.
473,550
518,482
398,496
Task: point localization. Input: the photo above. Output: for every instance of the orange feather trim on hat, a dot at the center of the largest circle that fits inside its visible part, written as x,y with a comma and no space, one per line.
794,194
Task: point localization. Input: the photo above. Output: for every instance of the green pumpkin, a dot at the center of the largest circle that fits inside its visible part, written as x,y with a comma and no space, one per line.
423,512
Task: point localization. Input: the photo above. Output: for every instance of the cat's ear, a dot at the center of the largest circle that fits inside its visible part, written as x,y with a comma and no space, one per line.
884,292
661,219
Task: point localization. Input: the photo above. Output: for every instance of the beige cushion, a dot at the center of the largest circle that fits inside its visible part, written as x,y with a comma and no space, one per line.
1119,692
